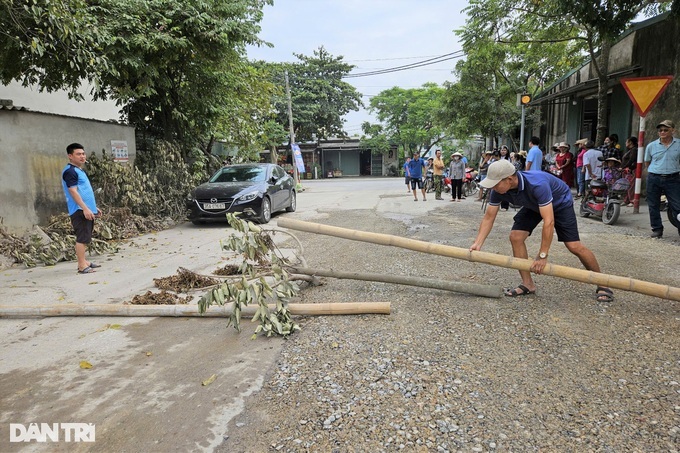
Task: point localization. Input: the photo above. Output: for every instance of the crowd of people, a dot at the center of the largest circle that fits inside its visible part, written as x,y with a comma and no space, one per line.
541,184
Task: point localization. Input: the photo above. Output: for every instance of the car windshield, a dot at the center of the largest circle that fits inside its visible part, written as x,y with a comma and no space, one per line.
240,174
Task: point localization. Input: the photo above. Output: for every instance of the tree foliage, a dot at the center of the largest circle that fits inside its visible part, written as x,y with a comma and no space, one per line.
52,44
538,41
408,117
319,96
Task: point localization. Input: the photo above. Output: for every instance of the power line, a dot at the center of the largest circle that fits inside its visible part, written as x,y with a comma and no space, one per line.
430,61
391,59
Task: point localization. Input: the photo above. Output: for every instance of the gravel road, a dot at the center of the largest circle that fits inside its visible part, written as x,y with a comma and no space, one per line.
445,371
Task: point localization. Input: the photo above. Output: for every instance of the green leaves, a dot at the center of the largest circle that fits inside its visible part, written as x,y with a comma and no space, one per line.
256,247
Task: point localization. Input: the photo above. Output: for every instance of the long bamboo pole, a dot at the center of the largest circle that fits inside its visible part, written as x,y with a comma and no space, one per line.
215,311
570,273
461,287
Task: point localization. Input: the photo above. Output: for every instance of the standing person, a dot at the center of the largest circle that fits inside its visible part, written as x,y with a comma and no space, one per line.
564,162
543,198
662,160
80,202
628,165
483,167
407,175
439,167
580,174
504,155
535,155
415,171
592,165
456,173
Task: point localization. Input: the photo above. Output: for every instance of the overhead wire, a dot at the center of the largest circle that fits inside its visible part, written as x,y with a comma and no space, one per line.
430,61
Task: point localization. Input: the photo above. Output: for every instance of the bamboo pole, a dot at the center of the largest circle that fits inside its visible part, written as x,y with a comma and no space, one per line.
215,311
461,287
570,273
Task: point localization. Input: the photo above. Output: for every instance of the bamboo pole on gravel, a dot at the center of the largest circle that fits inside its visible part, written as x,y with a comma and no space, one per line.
570,273
461,287
215,311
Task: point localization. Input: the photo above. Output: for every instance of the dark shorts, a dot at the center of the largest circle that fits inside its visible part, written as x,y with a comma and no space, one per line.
82,227
407,179
566,226
416,182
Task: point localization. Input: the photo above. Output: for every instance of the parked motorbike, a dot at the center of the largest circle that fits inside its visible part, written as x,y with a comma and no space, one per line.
604,200
673,217
429,181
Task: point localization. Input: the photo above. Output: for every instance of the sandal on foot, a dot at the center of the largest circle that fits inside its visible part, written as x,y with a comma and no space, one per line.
87,270
604,294
95,265
516,292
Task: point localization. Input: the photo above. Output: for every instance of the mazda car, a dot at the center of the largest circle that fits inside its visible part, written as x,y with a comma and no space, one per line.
254,190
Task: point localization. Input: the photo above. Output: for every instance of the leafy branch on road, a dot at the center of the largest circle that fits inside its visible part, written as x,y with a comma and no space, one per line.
263,280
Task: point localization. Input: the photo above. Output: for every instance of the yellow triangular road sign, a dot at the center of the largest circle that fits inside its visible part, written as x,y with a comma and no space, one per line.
645,91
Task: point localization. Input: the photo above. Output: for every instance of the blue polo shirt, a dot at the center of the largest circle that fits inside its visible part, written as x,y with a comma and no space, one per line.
74,176
415,168
536,189
664,160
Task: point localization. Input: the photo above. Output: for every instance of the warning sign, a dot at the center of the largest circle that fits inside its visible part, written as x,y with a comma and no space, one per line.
645,91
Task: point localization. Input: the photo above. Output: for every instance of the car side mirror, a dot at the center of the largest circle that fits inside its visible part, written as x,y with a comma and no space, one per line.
273,179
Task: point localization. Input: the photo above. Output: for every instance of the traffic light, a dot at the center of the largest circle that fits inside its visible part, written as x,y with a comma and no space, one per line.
525,99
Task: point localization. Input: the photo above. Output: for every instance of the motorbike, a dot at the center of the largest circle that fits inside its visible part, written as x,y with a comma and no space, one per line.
673,217
604,200
429,181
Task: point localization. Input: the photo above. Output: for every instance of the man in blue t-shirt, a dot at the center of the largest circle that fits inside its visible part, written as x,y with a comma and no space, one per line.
543,197
407,177
535,156
415,172
82,207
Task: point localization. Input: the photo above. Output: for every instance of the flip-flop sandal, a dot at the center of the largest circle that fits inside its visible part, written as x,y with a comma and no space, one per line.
603,294
95,265
87,270
515,293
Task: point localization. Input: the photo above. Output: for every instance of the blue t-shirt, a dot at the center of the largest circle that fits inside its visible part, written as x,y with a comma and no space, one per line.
536,189
535,156
74,176
415,168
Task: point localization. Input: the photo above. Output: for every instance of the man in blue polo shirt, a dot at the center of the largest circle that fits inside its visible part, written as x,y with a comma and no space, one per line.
543,197
662,158
535,157
415,172
81,204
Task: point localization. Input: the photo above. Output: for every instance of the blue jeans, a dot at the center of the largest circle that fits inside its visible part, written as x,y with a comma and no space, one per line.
580,181
656,186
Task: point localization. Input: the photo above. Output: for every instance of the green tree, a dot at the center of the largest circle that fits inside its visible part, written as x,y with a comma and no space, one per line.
51,44
409,117
554,35
319,96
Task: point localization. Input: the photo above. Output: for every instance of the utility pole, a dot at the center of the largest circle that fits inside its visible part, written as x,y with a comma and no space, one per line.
524,99
292,131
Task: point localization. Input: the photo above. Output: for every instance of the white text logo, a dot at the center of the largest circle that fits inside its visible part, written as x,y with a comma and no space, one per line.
51,432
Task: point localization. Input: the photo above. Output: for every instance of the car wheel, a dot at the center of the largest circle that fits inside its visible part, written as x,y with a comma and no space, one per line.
293,202
265,211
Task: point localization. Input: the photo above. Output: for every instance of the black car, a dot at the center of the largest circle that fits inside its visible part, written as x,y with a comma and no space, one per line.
256,190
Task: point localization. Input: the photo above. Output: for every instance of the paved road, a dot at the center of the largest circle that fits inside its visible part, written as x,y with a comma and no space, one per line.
144,390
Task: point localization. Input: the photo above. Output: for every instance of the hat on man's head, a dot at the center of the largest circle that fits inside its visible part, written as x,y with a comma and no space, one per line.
497,171
457,154
666,123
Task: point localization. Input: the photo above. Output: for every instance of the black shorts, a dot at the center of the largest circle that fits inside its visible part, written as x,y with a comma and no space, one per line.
566,226
416,182
82,227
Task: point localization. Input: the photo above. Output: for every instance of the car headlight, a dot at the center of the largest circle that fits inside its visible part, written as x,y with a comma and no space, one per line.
247,197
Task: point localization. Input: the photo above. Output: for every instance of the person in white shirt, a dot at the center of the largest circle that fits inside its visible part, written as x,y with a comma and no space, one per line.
592,165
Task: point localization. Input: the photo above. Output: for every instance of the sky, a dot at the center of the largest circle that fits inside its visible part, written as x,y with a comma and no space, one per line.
370,34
